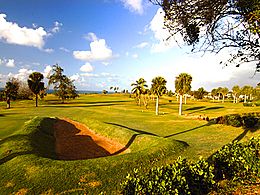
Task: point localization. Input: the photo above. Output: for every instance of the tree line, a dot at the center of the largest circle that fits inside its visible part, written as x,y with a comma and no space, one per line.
63,87
158,89
183,89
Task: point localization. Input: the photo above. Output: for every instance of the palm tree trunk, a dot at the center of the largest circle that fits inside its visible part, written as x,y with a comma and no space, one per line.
245,99
223,100
180,107
157,106
8,101
36,102
234,99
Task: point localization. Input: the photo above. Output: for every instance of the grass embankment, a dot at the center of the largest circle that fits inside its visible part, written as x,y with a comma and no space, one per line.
29,163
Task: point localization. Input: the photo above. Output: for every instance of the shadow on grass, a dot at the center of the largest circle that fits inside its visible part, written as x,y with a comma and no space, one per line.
203,108
246,130
193,129
131,140
58,102
196,108
78,106
13,155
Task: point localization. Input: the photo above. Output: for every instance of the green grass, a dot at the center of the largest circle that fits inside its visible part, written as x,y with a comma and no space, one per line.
27,156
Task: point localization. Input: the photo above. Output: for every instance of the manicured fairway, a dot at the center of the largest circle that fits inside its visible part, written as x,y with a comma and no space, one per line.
28,161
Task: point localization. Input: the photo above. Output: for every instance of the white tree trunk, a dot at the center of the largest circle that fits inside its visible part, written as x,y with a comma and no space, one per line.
234,100
223,100
157,106
245,99
180,107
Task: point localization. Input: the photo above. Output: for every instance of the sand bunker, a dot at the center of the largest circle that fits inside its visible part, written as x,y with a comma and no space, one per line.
75,141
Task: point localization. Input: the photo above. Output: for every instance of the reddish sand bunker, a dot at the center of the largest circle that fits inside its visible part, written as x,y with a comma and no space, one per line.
76,141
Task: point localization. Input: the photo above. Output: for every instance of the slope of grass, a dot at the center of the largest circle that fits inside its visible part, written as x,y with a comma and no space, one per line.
28,162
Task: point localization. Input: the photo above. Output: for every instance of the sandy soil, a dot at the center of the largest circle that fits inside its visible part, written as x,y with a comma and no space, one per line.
75,141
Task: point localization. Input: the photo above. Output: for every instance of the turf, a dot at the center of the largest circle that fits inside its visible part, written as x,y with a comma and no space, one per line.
28,162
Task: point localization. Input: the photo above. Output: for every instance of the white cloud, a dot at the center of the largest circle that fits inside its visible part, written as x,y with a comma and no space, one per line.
14,34
162,36
89,75
75,77
10,63
142,45
22,74
56,28
48,50
99,51
106,63
7,62
86,68
47,71
134,5
64,49
135,56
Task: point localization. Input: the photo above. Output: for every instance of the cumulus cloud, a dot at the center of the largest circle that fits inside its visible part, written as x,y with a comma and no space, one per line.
86,68
47,71
75,77
99,51
22,74
10,63
7,62
14,34
134,5
162,36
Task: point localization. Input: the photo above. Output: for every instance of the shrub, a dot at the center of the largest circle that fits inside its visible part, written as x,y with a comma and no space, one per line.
248,120
180,177
248,104
237,160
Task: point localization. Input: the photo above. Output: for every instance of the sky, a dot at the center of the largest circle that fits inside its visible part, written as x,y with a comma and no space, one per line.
104,43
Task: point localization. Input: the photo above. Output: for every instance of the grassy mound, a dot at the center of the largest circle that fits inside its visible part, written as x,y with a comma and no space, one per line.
28,162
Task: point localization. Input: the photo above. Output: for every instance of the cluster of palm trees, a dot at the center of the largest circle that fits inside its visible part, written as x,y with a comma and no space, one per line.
246,92
158,88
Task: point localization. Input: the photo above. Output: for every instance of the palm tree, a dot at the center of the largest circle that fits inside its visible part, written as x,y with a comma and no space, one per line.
236,90
182,86
35,84
11,90
139,88
224,92
214,92
247,91
219,92
158,88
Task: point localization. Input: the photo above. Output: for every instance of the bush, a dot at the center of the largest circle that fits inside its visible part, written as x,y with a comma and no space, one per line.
248,120
237,160
248,104
181,177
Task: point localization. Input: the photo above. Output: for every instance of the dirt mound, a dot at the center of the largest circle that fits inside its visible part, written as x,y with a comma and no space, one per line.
75,141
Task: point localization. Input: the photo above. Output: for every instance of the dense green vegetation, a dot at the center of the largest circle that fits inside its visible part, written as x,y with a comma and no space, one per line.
28,162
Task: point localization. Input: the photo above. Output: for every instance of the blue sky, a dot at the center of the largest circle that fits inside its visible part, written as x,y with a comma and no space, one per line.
103,43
